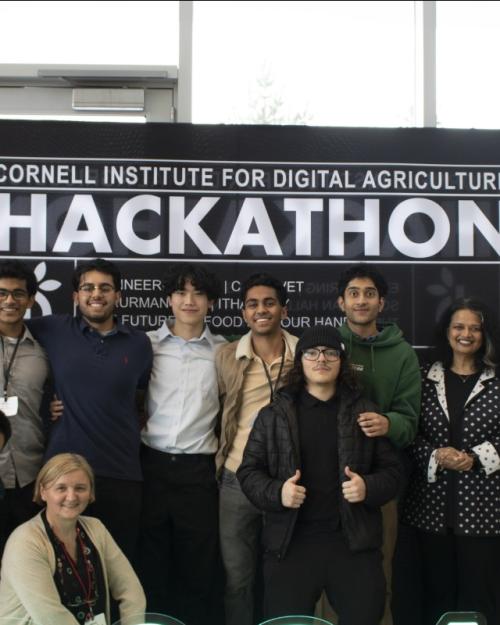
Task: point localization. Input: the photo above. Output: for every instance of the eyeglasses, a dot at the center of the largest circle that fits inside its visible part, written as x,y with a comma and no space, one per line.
18,294
90,288
330,354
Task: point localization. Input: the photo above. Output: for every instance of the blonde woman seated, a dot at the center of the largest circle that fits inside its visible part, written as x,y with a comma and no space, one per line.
60,568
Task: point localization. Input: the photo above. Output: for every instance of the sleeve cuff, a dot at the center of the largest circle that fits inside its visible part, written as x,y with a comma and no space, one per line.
488,457
432,468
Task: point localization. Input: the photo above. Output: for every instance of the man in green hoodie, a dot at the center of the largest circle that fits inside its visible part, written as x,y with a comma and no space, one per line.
389,373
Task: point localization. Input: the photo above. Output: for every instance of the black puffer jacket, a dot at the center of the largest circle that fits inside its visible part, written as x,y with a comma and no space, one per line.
272,456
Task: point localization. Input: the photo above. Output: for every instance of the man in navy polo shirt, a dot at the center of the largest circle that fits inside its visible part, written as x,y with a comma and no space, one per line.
98,366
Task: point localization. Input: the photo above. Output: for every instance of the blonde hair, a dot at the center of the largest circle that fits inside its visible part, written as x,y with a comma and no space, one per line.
58,466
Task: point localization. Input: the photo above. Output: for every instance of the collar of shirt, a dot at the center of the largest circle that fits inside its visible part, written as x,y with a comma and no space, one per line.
165,332
309,401
245,350
118,327
26,336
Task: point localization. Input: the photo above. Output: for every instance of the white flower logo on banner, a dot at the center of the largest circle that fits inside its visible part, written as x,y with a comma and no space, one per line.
47,285
447,291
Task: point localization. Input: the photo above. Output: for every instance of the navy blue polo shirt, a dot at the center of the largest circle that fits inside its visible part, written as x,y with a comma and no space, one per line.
96,377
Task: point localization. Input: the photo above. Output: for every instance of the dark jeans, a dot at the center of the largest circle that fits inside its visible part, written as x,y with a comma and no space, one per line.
179,563
118,506
240,528
354,582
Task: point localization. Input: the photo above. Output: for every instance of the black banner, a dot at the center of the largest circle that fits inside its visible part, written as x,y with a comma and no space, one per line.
301,203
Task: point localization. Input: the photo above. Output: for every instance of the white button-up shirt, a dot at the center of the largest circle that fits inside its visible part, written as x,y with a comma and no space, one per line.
183,397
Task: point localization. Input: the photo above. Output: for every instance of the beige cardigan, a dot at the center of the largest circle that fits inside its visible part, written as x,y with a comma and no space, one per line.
28,594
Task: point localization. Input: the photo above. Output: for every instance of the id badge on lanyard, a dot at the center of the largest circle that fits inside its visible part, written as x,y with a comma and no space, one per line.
9,405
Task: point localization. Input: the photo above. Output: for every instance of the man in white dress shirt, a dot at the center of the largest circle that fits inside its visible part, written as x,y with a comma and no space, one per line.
179,538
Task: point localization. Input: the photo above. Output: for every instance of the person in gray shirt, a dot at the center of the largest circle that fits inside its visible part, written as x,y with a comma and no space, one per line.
24,370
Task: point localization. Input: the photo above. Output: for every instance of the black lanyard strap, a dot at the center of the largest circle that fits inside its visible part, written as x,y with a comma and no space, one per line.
268,376
7,369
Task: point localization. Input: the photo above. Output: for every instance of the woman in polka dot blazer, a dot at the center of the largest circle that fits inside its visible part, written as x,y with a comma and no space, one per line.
454,496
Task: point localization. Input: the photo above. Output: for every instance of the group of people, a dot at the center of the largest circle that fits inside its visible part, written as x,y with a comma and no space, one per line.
203,455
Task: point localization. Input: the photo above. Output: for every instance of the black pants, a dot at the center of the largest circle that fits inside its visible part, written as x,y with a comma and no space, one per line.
16,507
354,582
179,557
118,506
460,573
407,579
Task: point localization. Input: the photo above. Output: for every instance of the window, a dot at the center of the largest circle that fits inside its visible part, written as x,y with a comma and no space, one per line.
109,33
319,63
467,49
92,61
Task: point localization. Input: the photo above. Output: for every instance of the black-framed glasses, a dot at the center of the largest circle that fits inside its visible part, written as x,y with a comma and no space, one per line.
18,294
90,288
313,353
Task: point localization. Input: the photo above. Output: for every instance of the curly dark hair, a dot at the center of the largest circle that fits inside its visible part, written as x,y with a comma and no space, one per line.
489,352
363,270
264,279
205,281
16,269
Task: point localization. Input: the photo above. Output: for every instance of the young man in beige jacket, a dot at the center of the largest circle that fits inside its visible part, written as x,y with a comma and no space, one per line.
249,372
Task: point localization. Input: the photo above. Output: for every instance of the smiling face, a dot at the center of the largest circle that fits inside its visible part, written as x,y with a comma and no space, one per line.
66,497
262,311
465,334
97,298
14,306
190,306
361,304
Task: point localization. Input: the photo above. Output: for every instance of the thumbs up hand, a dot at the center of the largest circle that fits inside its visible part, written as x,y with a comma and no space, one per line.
293,495
353,489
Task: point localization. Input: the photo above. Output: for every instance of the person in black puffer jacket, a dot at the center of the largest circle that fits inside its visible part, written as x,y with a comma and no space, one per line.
320,481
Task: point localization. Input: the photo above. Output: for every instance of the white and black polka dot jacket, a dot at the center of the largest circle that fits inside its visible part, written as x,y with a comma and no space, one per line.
478,496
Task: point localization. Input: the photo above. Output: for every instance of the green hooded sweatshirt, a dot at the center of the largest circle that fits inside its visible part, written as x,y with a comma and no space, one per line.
389,372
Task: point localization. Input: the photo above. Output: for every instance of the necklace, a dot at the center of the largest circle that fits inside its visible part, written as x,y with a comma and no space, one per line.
463,377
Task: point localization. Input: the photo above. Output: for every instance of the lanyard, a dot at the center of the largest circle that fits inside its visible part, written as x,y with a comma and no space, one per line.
268,376
87,590
7,370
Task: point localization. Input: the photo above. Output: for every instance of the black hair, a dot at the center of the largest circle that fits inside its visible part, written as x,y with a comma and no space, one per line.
5,428
18,270
347,378
363,270
102,266
264,279
489,352
205,281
